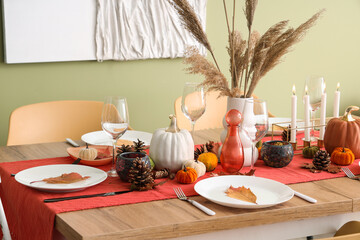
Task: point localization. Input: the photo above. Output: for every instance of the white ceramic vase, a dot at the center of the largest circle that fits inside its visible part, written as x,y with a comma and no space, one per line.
248,124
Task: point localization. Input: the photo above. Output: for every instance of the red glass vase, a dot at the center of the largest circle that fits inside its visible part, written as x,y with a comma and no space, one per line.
232,153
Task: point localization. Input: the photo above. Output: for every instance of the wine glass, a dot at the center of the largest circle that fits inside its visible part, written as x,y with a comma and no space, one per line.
257,109
114,122
193,103
315,88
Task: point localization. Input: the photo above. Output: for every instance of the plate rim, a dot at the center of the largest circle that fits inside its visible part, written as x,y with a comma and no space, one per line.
69,189
82,137
245,206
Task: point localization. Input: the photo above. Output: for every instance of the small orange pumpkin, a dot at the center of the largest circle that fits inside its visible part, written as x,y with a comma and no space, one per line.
342,156
186,175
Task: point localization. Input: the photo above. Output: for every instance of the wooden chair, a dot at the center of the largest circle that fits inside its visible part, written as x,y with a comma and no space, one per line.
53,121
213,116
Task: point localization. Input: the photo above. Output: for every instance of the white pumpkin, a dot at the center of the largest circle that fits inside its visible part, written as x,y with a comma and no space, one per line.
171,147
199,167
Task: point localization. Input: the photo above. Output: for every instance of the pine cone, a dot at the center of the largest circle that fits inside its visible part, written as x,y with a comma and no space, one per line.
140,176
124,148
286,134
321,160
139,146
198,151
209,146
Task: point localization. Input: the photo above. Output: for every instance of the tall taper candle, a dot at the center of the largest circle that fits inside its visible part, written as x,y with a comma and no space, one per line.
336,101
293,115
322,113
307,114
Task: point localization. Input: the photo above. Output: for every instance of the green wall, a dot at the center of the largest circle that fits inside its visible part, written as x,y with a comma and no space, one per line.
331,48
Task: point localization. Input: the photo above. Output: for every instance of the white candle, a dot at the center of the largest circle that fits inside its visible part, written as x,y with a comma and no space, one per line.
337,101
323,113
307,114
293,115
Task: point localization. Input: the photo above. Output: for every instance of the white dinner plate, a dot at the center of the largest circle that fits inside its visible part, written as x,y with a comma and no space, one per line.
268,192
101,138
283,122
38,173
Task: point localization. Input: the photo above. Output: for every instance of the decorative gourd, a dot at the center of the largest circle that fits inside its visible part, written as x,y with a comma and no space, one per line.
309,152
209,159
171,147
186,175
342,156
199,167
343,131
88,153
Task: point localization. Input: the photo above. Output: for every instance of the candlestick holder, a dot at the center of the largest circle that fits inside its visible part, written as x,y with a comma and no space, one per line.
285,126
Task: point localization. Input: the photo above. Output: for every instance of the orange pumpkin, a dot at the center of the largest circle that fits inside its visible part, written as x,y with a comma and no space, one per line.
342,156
186,175
209,159
343,131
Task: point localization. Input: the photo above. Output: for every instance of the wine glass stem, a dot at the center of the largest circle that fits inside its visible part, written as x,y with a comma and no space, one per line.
252,156
114,150
193,129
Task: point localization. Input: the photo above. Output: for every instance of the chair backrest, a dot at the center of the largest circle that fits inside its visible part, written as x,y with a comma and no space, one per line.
213,116
53,121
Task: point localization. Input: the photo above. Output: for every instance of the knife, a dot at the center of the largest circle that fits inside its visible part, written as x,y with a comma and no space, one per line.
69,140
49,200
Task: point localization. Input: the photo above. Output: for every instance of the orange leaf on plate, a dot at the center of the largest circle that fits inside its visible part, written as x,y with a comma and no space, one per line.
241,193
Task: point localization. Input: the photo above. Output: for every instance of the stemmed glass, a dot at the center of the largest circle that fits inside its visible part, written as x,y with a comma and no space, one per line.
315,88
193,103
114,122
258,110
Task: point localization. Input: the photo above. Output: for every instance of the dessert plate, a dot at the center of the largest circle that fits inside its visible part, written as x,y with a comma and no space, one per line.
268,192
101,138
102,151
38,173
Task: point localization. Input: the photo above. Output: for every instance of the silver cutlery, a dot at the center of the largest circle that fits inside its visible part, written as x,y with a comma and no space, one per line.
69,140
181,195
349,174
305,197
50,200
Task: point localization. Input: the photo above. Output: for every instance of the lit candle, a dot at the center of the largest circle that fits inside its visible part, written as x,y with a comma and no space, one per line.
307,114
293,115
322,113
337,101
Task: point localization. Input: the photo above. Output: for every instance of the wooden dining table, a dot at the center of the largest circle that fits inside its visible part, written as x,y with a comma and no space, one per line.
338,201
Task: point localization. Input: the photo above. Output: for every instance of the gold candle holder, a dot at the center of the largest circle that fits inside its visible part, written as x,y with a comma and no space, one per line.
280,125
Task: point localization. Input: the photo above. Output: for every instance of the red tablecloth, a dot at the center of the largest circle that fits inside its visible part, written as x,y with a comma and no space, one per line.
29,216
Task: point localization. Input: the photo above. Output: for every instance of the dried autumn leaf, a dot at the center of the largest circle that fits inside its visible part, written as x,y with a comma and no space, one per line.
241,193
333,169
308,166
64,178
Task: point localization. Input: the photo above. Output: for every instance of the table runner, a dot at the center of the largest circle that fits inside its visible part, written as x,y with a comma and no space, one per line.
28,216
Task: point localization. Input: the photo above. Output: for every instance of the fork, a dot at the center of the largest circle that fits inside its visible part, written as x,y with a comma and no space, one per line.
349,174
181,195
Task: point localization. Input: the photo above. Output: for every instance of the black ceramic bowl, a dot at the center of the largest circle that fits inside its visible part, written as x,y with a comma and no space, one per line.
125,161
277,154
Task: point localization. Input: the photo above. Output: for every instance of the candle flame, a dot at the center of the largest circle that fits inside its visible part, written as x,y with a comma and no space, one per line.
306,90
337,86
293,90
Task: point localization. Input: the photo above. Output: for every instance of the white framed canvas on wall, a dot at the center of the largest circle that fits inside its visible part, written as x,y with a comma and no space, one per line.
81,30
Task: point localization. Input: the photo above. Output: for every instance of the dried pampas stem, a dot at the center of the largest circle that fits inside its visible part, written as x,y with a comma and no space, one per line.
250,59
191,22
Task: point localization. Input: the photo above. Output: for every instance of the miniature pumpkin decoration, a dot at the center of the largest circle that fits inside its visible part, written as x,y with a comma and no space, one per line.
342,156
309,152
88,153
171,147
199,167
209,159
186,175
343,131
